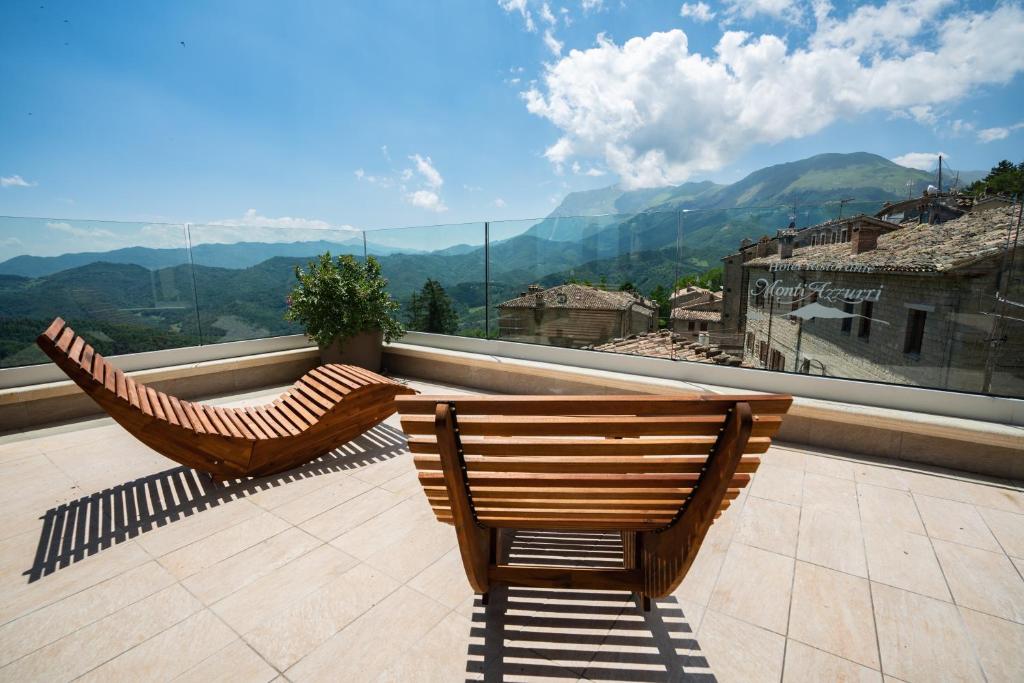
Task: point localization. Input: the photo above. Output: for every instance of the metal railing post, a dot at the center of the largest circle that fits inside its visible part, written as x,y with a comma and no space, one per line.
487,280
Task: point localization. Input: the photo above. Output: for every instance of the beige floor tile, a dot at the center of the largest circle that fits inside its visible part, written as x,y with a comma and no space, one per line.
920,638
887,477
769,525
308,622
891,508
415,551
43,626
442,655
781,484
217,547
290,487
380,636
404,485
89,647
829,493
805,664
904,560
833,539
832,612
381,531
445,581
199,525
754,586
350,514
321,499
235,662
234,573
785,457
759,658
999,644
830,467
999,497
379,473
954,521
1008,528
19,597
262,600
699,582
983,581
167,654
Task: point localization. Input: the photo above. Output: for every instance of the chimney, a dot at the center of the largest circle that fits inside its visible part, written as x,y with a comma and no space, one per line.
539,299
865,238
786,239
746,243
762,246
533,289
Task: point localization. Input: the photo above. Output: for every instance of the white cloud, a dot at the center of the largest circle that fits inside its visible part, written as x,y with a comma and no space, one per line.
592,5
546,15
499,203
657,114
383,181
926,161
425,167
788,10
698,11
77,231
15,181
472,188
252,218
519,6
425,199
552,43
998,133
11,243
593,172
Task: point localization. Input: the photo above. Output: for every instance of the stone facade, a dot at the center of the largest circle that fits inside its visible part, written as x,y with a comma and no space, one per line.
918,309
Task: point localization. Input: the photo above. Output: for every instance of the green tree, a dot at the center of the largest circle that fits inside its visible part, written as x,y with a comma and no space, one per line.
663,298
431,310
710,279
1004,178
628,286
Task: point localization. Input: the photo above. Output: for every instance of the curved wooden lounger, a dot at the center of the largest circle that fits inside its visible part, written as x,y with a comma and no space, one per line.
329,406
657,469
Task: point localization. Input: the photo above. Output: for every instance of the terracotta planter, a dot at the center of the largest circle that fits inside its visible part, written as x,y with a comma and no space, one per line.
363,349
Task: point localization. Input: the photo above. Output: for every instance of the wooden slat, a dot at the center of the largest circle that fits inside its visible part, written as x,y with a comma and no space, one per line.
265,427
168,409
193,417
144,404
594,463
99,368
179,412
329,380
111,380
338,373
533,492
322,389
499,446
204,419
154,402
133,391
285,413
76,349
121,384
577,480
53,331
247,420
278,421
64,343
86,361
540,425
215,420
225,420
310,398
627,404
289,401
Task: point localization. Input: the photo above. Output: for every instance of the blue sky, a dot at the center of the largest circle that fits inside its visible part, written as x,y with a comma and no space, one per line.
377,114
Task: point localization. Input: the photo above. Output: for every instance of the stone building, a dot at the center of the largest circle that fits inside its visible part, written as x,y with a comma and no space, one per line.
696,310
669,346
921,305
574,316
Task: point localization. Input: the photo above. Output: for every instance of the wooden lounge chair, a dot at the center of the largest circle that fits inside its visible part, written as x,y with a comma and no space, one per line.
329,406
658,469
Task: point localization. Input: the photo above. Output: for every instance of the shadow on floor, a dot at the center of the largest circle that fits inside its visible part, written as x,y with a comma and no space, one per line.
572,634
81,528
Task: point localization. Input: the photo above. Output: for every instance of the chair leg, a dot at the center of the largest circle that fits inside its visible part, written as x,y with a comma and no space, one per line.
645,602
485,599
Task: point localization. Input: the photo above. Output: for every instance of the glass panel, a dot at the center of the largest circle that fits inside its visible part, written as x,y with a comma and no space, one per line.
244,274
437,275
126,287
1004,375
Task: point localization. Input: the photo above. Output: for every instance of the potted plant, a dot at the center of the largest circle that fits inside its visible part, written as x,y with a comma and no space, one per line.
345,308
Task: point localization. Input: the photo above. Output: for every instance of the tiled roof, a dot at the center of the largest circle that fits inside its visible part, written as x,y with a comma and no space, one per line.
913,248
683,313
578,297
668,345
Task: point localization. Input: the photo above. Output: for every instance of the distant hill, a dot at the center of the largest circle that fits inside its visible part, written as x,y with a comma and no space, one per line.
237,255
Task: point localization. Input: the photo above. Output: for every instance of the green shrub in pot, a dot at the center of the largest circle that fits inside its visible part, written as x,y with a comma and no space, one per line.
344,306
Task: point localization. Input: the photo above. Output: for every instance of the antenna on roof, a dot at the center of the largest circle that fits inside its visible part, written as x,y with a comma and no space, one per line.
842,203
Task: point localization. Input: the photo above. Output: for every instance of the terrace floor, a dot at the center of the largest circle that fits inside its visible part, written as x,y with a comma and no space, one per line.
830,566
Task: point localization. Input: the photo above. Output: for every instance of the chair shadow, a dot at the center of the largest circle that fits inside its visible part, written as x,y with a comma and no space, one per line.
559,634
86,526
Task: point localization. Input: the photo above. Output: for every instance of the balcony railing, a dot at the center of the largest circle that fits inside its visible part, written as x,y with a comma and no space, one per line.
917,304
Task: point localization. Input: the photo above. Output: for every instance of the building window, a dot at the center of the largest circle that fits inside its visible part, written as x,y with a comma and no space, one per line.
750,342
915,331
703,327
847,322
776,361
805,367
690,328
864,330
762,352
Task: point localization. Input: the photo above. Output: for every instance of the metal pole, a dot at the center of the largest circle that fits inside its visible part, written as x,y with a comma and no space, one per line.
487,280
195,289
365,253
